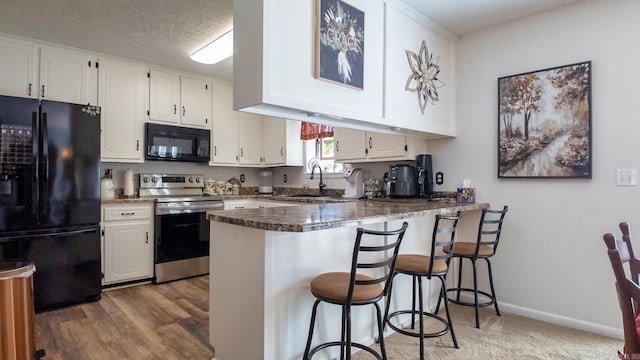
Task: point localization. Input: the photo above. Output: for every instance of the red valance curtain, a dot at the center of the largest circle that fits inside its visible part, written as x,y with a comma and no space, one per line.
310,131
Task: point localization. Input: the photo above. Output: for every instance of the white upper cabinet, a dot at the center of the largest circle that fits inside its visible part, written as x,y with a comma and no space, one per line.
350,144
367,146
402,107
121,95
164,96
18,68
178,99
274,67
246,139
250,138
281,144
273,140
195,97
47,73
224,127
68,76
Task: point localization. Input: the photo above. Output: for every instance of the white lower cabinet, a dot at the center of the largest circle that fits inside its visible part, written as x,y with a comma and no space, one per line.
127,234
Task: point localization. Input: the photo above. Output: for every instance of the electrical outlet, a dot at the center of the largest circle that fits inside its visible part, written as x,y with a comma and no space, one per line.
626,177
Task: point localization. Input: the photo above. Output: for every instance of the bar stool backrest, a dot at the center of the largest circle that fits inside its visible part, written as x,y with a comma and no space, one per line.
375,251
490,228
444,234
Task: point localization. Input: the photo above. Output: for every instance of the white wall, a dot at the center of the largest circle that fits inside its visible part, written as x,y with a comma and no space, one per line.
552,262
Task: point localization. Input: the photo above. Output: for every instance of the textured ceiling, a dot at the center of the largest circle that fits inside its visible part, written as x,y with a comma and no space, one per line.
163,32
167,32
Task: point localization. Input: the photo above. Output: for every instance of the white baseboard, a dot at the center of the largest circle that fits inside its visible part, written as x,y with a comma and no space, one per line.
557,319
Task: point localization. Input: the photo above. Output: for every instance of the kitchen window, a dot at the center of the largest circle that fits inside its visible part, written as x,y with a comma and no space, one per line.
322,152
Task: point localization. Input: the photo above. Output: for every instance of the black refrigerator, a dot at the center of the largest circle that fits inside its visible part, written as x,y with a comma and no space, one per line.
50,196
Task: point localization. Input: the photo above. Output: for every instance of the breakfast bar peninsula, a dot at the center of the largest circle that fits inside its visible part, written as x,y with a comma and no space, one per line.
262,261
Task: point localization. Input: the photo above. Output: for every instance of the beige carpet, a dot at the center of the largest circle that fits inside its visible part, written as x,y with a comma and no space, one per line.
503,337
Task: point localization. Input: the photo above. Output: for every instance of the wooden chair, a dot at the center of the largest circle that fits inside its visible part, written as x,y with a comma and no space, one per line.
375,252
621,252
484,247
436,264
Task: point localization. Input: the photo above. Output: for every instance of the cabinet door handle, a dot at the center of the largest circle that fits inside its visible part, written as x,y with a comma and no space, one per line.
183,111
29,89
337,146
137,145
175,109
241,152
215,150
42,90
127,213
370,143
147,240
282,151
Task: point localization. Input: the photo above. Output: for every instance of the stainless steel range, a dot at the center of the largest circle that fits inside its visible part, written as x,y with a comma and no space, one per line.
181,227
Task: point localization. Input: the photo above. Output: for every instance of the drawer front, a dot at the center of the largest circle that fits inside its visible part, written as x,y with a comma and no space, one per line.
121,213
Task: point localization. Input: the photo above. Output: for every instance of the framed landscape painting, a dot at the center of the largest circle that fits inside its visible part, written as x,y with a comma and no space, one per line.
339,53
544,123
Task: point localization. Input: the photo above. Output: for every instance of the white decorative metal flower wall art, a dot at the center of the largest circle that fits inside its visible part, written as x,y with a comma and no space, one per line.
424,76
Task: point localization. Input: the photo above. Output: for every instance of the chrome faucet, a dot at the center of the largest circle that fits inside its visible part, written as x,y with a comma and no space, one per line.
321,185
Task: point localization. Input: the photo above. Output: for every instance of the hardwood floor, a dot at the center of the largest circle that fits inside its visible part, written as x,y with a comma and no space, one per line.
165,321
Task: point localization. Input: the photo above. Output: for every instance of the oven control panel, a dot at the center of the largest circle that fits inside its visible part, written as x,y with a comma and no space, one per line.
164,181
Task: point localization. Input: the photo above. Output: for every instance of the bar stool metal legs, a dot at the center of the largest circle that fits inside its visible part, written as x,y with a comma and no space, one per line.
486,245
374,252
432,266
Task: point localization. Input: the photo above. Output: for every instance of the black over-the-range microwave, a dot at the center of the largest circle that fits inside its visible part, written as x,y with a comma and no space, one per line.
176,143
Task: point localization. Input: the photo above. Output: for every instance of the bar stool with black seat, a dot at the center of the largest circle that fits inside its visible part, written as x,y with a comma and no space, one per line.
436,264
485,246
375,252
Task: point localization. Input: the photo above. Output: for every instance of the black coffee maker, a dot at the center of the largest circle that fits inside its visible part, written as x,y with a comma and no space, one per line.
425,176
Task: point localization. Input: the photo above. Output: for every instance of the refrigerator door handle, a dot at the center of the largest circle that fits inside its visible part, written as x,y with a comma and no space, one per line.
35,198
45,166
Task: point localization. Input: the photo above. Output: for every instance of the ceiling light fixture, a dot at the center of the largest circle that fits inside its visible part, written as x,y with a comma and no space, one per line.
216,51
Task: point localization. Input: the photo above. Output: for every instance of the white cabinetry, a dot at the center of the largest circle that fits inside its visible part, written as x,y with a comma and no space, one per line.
249,139
224,127
266,78
127,242
18,68
56,74
68,76
195,97
121,94
164,96
268,82
281,144
363,146
401,106
179,99
246,139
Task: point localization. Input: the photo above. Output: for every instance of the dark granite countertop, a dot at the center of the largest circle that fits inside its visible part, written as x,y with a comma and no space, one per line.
318,216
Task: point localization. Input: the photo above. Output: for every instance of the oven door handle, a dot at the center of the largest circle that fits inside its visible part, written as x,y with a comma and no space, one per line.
177,208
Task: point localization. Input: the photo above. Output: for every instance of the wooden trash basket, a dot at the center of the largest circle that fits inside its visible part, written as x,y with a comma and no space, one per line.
17,315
